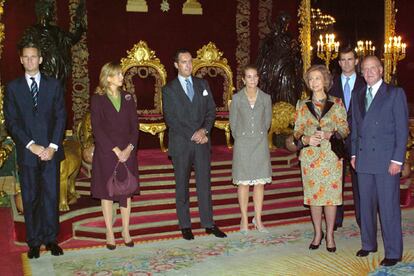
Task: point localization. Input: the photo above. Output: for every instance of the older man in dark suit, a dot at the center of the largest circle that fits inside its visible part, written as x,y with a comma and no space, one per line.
189,111
379,138
345,86
35,116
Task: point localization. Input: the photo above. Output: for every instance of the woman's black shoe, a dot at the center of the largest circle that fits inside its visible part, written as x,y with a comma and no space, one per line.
313,246
331,249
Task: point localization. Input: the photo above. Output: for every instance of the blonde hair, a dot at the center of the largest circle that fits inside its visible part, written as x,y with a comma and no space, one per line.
327,78
110,69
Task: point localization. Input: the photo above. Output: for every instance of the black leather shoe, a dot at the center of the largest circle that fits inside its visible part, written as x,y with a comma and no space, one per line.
364,253
54,248
187,234
33,252
389,262
216,232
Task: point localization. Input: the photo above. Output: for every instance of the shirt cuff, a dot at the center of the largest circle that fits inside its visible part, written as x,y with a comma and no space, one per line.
53,146
396,162
29,144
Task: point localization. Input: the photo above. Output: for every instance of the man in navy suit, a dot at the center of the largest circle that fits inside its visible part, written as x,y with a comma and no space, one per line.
190,111
379,138
345,86
35,117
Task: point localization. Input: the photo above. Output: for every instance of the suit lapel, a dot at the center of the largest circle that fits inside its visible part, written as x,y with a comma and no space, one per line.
42,97
359,84
182,96
379,98
327,107
311,109
26,95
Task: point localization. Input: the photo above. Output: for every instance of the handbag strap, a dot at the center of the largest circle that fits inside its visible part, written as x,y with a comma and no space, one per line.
116,168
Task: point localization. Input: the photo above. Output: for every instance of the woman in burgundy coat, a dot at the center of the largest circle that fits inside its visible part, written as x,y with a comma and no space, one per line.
115,129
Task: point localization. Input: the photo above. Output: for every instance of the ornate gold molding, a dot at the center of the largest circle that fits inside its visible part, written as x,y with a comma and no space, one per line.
2,33
143,57
142,61
283,120
389,31
209,61
80,72
137,6
243,39
192,7
304,14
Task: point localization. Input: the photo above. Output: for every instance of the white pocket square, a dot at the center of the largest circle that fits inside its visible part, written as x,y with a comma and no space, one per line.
205,93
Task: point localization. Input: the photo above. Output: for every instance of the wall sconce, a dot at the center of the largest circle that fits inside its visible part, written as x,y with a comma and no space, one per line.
394,51
327,50
364,49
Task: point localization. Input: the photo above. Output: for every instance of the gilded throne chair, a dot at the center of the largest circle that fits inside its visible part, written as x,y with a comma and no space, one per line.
210,63
142,62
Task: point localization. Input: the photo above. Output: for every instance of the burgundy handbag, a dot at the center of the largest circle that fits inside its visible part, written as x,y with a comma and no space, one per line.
116,187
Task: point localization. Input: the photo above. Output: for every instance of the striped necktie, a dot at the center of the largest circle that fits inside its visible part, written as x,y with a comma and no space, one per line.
34,89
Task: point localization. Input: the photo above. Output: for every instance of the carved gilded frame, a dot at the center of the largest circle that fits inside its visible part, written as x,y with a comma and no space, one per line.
304,14
209,61
142,61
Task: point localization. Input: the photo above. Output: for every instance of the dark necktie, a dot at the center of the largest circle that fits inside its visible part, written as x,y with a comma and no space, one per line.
368,98
190,90
347,93
34,89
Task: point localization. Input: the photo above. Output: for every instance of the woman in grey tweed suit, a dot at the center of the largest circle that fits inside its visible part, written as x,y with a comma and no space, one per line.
250,119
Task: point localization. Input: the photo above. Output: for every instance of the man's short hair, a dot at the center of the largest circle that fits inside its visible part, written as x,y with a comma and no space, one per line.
347,49
180,51
29,45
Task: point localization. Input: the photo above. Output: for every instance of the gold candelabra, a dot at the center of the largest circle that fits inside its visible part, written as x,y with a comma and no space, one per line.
363,49
394,51
327,50
319,21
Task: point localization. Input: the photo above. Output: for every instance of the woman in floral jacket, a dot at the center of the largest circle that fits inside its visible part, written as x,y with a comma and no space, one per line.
320,118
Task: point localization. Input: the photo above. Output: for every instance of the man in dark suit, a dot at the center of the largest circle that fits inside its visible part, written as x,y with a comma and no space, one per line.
189,111
345,86
35,117
379,138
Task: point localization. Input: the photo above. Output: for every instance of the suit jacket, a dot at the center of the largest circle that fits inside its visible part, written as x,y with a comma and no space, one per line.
380,134
44,125
184,117
338,91
249,126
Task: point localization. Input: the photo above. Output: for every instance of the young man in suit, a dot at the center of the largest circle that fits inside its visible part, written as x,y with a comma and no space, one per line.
379,139
189,111
35,117
345,86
